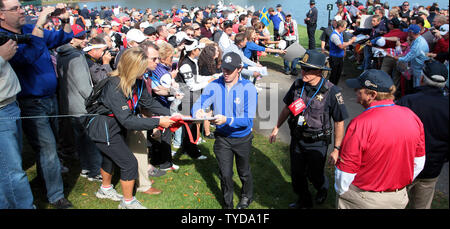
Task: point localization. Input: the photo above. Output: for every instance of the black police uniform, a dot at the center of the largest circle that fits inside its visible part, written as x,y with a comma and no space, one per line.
311,26
309,142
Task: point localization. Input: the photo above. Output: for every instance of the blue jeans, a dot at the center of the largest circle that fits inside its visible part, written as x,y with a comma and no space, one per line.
177,137
90,156
293,67
41,134
15,191
367,57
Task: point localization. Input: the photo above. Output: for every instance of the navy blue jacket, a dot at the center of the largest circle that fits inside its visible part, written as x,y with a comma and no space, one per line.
432,107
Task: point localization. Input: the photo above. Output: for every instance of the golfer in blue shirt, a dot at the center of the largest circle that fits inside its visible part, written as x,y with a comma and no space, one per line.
234,102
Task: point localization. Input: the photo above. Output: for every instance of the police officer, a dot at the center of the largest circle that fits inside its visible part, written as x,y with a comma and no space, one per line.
310,103
311,24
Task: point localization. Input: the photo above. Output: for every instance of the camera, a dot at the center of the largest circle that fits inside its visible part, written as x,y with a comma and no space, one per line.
19,38
112,53
58,12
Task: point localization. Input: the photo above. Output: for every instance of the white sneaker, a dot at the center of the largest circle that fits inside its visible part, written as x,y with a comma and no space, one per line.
108,194
97,178
176,146
173,167
202,157
174,153
84,173
135,204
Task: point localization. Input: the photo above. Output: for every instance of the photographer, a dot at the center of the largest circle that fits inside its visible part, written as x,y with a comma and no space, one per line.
134,38
98,59
33,66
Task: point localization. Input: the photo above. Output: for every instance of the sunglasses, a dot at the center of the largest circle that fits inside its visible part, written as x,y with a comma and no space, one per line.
306,69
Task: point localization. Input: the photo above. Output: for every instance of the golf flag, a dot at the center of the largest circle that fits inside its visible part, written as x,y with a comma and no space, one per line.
264,18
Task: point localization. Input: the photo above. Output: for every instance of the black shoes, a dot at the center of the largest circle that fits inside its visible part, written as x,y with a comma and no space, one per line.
244,203
210,136
62,203
321,196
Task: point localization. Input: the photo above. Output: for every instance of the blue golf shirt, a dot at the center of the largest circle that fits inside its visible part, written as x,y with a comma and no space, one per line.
238,104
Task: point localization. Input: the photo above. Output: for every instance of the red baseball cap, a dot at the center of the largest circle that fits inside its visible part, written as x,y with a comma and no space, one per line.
78,31
176,19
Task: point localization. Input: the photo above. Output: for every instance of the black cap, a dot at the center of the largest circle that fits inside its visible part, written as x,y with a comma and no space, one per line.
338,2
314,59
278,5
186,20
372,79
436,72
231,61
149,31
312,2
395,22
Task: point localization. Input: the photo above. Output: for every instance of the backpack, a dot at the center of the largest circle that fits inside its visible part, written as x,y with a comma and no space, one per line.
92,103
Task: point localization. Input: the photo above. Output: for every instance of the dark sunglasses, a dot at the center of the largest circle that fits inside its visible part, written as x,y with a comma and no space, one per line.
306,69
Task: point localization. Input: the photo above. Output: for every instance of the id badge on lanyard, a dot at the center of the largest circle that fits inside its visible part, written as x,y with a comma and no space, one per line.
297,108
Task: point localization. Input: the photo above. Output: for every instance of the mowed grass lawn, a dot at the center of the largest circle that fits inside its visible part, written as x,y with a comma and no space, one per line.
196,184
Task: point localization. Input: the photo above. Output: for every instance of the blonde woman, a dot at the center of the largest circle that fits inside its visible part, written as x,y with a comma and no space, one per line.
122,98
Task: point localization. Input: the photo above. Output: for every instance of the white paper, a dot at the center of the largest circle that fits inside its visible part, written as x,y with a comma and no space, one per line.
295,50
261,70
366,22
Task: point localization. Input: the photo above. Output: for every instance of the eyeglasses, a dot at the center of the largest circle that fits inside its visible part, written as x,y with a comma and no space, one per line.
406,5
153,59
14,8
190,34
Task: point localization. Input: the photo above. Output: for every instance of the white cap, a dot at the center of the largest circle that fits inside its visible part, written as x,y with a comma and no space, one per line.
337,18
115,23
144,25
381,42
136,35
195,45
443,29
89,47
181,36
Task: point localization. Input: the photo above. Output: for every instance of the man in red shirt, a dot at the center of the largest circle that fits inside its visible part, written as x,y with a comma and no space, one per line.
383,149
442,44
389,64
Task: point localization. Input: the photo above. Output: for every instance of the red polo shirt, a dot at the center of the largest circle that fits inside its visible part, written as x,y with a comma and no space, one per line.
395,33
380,146
441,46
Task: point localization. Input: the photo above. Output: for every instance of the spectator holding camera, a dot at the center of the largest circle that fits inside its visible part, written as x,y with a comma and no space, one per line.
34,68
75,86
98,59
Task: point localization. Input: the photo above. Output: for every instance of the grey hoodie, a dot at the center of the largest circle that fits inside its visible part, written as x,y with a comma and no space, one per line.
74,80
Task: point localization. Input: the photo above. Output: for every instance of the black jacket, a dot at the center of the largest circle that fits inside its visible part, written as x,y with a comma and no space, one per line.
432,107
102,127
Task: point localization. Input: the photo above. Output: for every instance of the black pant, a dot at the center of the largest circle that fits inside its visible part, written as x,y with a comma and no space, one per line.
311,36
160,151
276,35
190,148
226,149
307,163
336,64
117,152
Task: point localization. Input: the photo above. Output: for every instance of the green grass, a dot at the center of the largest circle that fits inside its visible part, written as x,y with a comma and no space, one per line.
196,184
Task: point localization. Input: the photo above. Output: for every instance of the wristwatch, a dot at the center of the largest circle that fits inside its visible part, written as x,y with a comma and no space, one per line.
337,147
